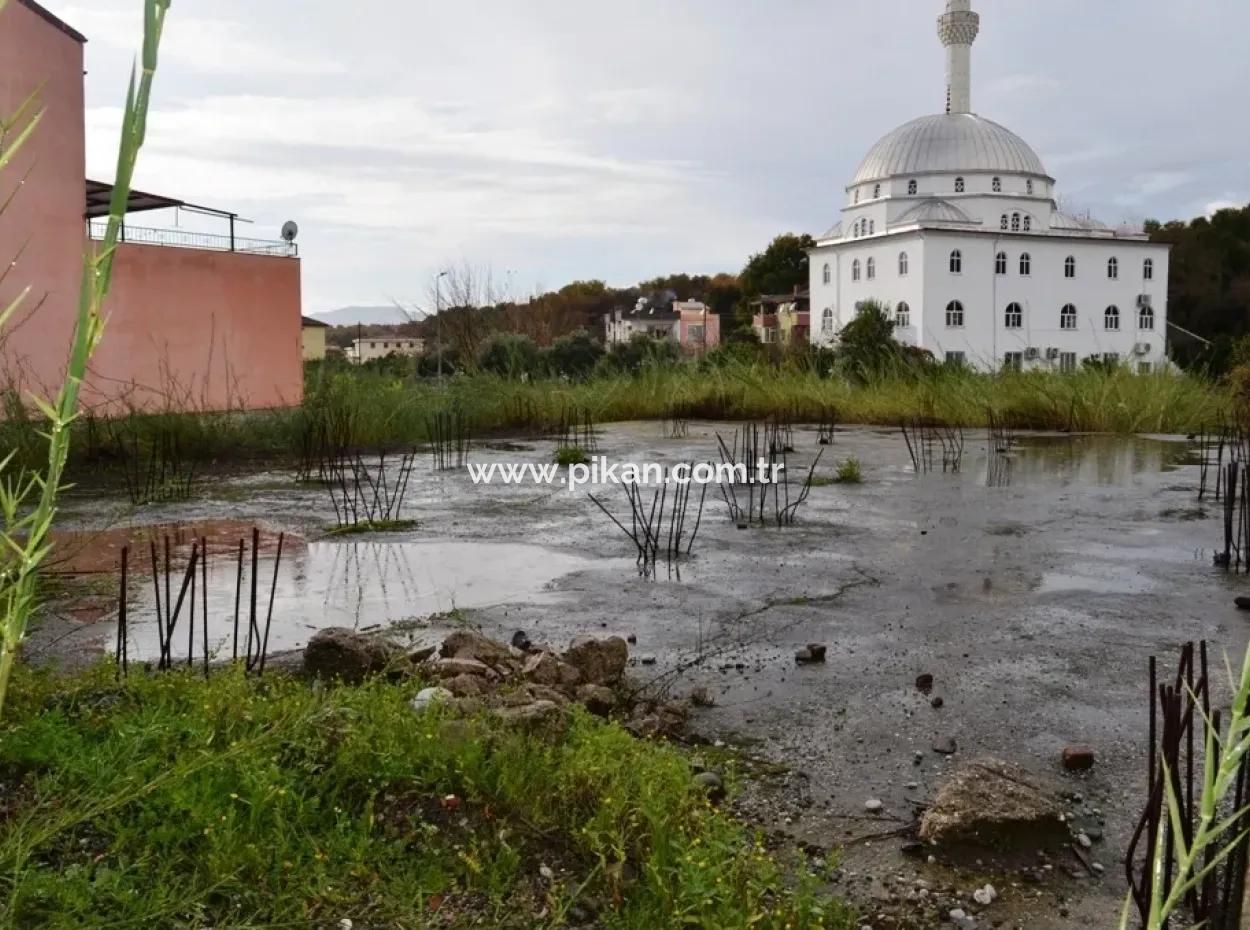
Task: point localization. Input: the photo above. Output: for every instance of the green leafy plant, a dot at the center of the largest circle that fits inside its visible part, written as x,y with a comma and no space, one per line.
571,455
849,472
28,498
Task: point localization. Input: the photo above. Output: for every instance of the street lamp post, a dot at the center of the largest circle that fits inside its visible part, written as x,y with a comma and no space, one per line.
438,317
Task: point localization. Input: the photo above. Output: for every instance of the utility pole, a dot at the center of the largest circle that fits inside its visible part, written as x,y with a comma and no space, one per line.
438,316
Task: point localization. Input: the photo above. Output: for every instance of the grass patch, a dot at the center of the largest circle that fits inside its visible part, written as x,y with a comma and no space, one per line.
849,472
170,801
571,455
372,526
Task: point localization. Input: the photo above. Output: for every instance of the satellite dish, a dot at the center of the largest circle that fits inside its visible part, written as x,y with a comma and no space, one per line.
290,230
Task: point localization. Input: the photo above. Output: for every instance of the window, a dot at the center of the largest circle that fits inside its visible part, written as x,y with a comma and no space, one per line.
872,268
857,195
1143,368
826,320
1015,222
997,185
1013,361
1067,317
902,264
770,334
1146,318
1014,317
902,314
1111,319
957,262
959,185
872,227
1067,361
1069,267
954,314
1111,359
694,333
955,359
828,274
373,345
1028,223
911,187
1002,223
1148,269
1113,268
1000,263
1028,188
876,191
1026,264
855,270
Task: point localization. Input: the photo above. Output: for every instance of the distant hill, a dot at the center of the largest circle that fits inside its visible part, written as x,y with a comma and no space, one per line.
365,316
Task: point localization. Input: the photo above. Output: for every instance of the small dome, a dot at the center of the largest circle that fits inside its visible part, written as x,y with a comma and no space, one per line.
948,143
933,210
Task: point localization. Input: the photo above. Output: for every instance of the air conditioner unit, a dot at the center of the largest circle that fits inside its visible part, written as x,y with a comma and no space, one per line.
1032,353
1052,353
1141,348
1143,300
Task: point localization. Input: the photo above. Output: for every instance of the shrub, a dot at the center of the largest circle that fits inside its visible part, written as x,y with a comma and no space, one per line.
574,356
511,355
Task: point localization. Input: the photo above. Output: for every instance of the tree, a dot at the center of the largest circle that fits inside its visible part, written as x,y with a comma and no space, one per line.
866,346
779,269
574,355
511,355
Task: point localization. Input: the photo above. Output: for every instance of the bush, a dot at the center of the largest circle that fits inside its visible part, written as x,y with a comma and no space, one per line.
574,356
849,472
511,355
640,352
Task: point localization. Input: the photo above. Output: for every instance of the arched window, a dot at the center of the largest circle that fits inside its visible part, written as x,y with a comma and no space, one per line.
1113,268
954,314
857,195
1069,267
902,264
902,314
872,268
959,185
1002,223
1028,222
1111,319
911,187
855,270
876,191
1014,317
1067,317
957,262
1146,318
1148,269
1000,263
826,320
1028,188
872,227
828,274
1026,264
1015,222
997,185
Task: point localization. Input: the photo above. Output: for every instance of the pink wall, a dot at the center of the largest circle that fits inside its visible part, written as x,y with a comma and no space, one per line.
698,318
200,330
45,216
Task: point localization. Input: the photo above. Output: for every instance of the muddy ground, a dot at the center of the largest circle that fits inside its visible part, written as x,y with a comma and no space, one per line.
1033,587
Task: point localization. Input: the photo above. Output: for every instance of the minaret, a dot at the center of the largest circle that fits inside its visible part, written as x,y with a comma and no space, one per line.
957,28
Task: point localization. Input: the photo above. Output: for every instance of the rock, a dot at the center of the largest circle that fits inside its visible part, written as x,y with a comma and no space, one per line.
452,668
711,784
701,697
1084,841
810,655
656,720
937,702
416,657
647,660
466,685
632,639
924,682
946,747
817,651
914,850
989,802
466,644
546,872
600,661
985,896
873,806
545,669
1243,603
427,697
541,693
1078,758
534,712
598,699
521,640
337,652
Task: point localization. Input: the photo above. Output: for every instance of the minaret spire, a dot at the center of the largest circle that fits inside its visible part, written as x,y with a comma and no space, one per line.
958,28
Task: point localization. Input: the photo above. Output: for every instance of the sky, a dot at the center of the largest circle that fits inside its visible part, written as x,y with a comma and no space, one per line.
554,140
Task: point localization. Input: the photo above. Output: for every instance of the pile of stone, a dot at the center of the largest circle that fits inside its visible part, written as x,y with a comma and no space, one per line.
521,681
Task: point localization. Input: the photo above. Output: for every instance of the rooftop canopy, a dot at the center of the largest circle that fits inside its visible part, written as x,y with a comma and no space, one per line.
100,196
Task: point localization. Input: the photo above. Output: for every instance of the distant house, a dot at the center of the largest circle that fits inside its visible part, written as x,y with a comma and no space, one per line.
313,338
689,323
368,348
782,319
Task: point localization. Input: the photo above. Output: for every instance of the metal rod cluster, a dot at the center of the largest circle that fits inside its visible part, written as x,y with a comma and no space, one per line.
448,431
826,426
1181,721
367,492
190,582
1001,436
1233,491
931,441
657,527
1217,448
576,429
759,487
677,421
155,465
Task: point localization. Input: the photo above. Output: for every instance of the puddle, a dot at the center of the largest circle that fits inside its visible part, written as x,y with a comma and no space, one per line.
357,585
100,551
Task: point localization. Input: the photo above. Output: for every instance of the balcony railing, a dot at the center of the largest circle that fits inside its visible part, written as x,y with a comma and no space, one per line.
185,239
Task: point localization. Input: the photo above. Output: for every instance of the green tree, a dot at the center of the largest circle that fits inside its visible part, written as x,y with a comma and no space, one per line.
574,355
779,269
509,354
866,346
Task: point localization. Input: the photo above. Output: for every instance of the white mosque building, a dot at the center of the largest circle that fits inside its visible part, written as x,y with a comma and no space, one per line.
951,223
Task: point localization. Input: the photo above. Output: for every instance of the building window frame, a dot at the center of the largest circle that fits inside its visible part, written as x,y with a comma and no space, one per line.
828,274
1148,269
997,185
1067,317
1111,319
904,264
1000,263
957,262
870,269
954,315
1113,268
911,186
855,270
1069,267
960,185
902,314
1146,319
1026,264
1013,316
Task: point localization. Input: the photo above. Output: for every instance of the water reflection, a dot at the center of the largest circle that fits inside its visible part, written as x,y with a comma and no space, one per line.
1083,459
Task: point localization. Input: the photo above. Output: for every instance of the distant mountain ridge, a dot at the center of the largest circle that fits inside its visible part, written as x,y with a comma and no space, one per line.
364,316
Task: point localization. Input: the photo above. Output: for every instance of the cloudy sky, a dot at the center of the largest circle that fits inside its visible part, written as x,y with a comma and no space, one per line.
562,139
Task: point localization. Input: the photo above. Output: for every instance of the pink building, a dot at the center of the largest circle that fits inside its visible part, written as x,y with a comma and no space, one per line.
195,321
690,324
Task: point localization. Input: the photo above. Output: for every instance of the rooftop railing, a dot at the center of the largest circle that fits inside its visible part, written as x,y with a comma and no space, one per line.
185,239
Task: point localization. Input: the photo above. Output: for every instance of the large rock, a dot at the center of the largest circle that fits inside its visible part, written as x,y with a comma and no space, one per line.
543,668
337,652
601,661
450,668
466,644
989,802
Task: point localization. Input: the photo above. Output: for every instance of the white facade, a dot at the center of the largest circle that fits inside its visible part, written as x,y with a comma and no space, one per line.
951,222
368,348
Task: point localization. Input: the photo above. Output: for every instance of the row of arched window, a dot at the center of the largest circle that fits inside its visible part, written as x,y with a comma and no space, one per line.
902,316
864,228
961,187
1013,317
1015,222
1000,266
